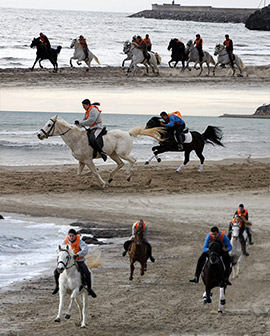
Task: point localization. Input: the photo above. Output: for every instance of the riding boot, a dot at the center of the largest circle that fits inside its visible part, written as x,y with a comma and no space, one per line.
124,253
199,268
85,271
244,249
103,155
56,278
249,237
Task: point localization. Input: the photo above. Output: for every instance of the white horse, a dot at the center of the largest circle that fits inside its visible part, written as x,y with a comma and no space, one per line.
126,50
138,58
193,56
79,54
117,144
223,58
236,252
70,282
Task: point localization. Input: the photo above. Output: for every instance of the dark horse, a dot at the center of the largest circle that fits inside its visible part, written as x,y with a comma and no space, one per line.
178,53
138,251
168,143
213,274
42,54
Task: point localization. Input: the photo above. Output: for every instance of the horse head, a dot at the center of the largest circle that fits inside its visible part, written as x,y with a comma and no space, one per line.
48,129
126,47
139,232
65,255
235,230
35,43
215,250
189,45
153,122
218,49
73,42
172,43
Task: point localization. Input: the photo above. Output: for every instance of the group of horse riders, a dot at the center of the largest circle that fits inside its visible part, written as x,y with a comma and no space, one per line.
240,217
146,45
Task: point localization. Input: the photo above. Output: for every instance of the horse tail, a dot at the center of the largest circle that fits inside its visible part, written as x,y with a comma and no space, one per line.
97,60
155,132
58,49
213,135
93,261
212,61
158,58
242,65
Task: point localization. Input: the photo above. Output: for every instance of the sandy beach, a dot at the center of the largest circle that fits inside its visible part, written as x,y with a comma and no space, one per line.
179,208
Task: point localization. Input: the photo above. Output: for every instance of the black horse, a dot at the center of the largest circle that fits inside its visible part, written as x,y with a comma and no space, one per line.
42,54
178,53
211,135
213,274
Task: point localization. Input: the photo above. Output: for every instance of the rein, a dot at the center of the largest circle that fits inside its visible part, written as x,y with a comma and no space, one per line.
49,134
69,257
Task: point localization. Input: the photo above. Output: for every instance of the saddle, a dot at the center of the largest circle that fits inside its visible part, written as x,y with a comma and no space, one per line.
128,244
96,143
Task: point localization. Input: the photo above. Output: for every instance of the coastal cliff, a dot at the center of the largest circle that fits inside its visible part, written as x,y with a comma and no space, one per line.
262,112
260,20
196,13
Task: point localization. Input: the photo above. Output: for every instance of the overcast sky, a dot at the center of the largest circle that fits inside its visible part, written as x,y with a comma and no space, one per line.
124,5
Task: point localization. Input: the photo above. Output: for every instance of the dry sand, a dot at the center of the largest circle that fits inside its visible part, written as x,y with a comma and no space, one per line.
180,209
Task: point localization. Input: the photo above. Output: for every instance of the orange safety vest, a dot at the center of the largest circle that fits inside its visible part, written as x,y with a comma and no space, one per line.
137,225
87,113
241,223
139,42
42,37
227,42
242,214
199,42
147,42
220,237
74,245
83,42
176,113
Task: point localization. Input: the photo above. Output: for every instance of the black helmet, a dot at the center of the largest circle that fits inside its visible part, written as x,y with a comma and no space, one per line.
198,35
81,36
72,231
86,101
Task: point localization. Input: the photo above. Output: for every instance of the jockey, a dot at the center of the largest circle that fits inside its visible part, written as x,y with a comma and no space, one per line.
80,249
174,120
143,46
134,39
229,48
83,44
148,43
128,242
238,220
242,212
219,236
199,43
93,119
46,43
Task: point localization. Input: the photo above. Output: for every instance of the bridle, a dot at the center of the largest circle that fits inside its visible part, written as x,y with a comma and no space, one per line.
68,259
50,132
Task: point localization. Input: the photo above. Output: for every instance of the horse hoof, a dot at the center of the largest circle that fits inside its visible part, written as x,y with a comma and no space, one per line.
159,160
83,326
57,319
128,179
110,180
67,316
146,163
130,279
220,311
223,302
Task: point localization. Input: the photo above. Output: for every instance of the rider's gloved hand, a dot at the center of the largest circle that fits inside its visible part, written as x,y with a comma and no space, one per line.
75,256
76,122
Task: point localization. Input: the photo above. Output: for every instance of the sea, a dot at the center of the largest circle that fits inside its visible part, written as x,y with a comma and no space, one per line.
28,244
106,33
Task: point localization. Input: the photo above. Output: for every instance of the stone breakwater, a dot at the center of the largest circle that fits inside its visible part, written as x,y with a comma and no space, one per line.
199,14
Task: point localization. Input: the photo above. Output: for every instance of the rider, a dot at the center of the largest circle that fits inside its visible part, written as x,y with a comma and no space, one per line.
143,46
242,212
199,43
238,220
219,236
229,48
128,242
45,41
174,120
93,119
134,39
148,43
80,249
83,43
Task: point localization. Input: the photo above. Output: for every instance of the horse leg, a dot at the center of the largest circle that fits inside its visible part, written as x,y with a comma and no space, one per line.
131,270
70,61
80,168
142,268
73,296
62,293
214,70
150,159
222,301
92,167
79,304
84,310
201,157
119,163
183,66
40,64
34,63
201,67
187,153
208,67
131,162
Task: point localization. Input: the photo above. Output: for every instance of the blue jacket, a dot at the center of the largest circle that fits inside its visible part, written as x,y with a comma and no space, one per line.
174,119
226,242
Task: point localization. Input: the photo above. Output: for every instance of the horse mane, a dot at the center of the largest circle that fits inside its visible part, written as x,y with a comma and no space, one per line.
93,260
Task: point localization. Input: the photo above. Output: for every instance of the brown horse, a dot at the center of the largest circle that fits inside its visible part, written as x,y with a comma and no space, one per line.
138,252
